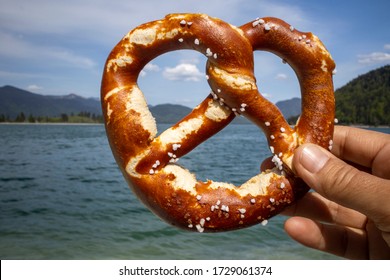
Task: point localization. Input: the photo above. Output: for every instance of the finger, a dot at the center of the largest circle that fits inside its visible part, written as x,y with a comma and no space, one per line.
378,247
341,241
344,184
367,148
316,207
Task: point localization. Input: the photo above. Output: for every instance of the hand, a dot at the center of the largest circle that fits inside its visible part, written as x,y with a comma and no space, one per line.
349,213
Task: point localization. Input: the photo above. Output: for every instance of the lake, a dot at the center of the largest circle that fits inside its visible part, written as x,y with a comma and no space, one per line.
62,196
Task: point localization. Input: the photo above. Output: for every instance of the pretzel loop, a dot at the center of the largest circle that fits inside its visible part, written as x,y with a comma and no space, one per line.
149,162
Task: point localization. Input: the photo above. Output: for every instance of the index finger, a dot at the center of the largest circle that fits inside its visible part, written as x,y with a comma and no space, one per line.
361,146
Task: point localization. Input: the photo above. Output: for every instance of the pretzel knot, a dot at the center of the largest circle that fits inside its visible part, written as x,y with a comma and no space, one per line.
149,162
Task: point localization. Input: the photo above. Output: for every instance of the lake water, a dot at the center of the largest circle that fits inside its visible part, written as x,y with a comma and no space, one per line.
62,196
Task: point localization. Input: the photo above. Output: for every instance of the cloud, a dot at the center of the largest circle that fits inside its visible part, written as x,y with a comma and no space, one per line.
281,76
183,72
375,57
100,21
19,48
34,88
150,67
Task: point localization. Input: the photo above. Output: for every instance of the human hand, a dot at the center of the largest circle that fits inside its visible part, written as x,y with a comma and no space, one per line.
349,213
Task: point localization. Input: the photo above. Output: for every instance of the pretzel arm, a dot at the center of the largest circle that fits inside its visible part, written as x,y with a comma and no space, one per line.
203,122
313,65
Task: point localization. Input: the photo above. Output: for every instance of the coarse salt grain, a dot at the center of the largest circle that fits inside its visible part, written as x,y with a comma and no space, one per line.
199,228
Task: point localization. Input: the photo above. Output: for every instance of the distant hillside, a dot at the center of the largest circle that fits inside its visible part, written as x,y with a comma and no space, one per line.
14,101
169,113
290,107
366,99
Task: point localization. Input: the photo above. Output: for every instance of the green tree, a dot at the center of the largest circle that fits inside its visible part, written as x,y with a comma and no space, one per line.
20,118
64,118
31,119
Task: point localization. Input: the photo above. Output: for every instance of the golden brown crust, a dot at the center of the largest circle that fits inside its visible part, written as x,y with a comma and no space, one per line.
149,162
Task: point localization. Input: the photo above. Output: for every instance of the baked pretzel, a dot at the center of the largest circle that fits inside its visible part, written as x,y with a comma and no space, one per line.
149,162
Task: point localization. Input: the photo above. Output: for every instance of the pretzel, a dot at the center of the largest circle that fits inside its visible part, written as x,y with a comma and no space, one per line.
149,163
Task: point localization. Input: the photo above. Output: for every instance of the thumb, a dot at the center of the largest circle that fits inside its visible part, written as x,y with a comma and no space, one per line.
340,182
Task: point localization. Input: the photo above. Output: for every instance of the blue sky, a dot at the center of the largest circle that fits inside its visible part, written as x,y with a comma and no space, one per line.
56,47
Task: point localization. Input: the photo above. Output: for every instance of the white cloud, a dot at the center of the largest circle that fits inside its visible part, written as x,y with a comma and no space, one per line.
183,72
266,95
34,88
19,48
150,67
281,76
375,57
100,21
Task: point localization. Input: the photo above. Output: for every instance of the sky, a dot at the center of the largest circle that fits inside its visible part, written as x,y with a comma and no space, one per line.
56,47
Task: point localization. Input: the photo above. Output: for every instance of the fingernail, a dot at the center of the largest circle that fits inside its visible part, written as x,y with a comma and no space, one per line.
313,158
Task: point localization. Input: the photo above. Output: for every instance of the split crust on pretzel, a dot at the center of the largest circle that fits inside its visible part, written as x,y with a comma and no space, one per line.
149,162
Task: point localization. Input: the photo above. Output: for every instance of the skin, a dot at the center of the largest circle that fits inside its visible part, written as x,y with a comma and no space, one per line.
348,214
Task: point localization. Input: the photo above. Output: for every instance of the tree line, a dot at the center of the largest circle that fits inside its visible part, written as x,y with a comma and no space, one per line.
81,117
366,99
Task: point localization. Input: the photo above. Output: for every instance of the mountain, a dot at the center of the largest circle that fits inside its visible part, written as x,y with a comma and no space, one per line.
14,101
365,99
169,113
290,107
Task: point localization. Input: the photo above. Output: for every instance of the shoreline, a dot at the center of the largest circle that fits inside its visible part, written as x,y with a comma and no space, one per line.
48,123
82,123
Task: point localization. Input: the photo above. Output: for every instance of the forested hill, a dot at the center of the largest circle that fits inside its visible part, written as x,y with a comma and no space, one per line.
365,99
